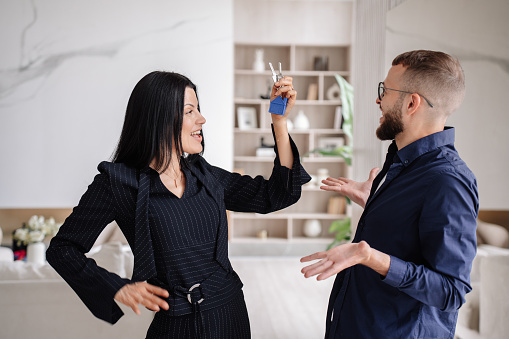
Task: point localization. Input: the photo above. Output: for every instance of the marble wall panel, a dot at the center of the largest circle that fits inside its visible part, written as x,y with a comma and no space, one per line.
67,69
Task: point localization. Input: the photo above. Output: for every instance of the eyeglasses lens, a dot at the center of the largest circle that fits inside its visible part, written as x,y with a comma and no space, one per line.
381,91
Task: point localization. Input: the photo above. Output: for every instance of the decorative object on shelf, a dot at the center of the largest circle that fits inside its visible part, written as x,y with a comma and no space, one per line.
312,228
330,143
312,92
334,92
246,117
259,64
301,121
344,151
342,230
321,63
336,205
33,232
36,253
268,91
322,174
338,118
262,234
265,150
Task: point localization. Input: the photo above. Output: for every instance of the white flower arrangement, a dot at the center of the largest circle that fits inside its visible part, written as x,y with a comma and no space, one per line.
36,230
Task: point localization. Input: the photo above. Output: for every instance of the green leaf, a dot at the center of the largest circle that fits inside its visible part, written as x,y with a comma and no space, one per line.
341,228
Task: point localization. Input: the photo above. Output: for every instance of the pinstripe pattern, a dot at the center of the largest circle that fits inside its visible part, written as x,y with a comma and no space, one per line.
184,255
142,257
175,242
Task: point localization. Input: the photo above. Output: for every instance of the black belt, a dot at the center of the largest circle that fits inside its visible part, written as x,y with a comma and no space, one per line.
220,285
206,289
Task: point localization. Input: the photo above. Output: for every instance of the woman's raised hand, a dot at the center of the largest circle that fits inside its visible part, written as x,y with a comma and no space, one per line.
142,293
284,88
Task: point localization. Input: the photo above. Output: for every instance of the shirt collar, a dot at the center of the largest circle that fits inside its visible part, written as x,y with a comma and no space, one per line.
424,145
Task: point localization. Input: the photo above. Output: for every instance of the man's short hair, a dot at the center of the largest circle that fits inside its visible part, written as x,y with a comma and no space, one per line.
436,75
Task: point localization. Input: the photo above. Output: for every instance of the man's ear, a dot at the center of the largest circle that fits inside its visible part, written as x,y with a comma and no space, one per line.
413,104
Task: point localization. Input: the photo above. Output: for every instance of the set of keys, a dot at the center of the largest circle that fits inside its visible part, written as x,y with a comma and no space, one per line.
278,105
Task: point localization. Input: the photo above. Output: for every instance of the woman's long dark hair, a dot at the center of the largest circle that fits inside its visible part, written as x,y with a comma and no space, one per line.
153,120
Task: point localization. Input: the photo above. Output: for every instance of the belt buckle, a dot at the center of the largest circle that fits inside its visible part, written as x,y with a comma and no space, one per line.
189,294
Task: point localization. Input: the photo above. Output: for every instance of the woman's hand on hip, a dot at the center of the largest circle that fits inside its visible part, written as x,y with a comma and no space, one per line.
142,293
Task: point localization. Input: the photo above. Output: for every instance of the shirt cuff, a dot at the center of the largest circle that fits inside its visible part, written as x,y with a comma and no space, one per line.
295,177
396,273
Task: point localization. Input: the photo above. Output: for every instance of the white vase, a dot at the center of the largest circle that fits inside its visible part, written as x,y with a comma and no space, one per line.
301,121
258,64
36,253
312,228
322,174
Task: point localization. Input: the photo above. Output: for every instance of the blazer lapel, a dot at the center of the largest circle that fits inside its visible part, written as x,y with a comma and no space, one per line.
216,192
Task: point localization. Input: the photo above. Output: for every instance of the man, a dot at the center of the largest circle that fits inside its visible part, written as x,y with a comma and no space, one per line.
407,270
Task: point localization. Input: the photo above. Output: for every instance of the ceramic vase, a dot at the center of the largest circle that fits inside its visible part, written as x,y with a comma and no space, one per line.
258,64
301,121
334,92
36,253
312,228
322,174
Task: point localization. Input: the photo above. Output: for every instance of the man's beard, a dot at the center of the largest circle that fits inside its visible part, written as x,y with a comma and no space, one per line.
392,124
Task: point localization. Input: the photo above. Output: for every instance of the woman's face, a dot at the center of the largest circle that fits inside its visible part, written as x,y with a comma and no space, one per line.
191,123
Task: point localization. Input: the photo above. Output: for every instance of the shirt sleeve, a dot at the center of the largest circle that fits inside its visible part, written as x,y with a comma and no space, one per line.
447,228
95,286
243,193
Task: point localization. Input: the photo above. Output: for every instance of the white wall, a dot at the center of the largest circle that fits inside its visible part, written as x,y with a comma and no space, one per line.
67,69
476,32
293,21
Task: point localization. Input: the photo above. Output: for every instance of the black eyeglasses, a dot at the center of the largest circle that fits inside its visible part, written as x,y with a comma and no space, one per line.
382,89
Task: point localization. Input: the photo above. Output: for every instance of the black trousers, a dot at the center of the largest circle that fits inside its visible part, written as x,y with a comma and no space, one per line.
228,321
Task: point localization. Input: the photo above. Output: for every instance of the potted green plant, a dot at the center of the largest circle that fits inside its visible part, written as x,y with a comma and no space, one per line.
341,227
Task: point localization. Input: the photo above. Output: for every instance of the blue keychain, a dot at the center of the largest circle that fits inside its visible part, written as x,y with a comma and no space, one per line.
278,105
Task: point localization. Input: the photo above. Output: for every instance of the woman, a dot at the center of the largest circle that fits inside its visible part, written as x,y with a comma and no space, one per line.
171,206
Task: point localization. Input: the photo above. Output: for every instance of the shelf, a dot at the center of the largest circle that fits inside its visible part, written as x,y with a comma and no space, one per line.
279,215
291,73
326,159
293,131
268,240
313,240
306,188
285,228
249,101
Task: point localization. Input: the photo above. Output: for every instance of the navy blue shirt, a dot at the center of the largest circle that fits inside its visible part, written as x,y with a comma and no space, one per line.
424,216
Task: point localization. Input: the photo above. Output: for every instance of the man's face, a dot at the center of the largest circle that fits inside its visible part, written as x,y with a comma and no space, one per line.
391,121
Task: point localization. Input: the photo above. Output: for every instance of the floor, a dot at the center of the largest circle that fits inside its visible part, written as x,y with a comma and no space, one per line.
280,301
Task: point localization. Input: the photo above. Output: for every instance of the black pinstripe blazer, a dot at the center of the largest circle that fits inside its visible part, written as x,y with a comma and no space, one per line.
121,193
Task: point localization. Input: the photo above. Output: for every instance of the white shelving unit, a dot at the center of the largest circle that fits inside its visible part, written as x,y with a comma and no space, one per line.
286,226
